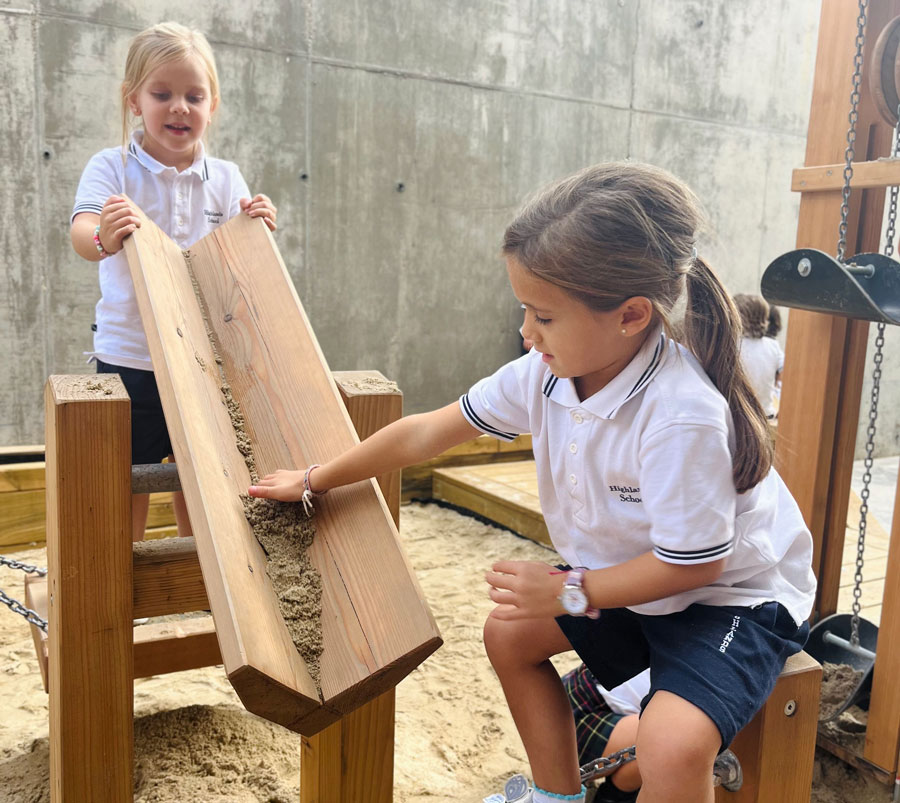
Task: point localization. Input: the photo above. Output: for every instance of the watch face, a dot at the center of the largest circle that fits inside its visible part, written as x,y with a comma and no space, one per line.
573,600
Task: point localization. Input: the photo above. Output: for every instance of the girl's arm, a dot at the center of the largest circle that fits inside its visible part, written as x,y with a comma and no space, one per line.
117,220
528,589
260,206
405,442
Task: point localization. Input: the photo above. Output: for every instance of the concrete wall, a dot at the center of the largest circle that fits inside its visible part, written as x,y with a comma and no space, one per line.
397,138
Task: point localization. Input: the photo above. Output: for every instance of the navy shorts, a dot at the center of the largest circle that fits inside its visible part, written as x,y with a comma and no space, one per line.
150,441
723,659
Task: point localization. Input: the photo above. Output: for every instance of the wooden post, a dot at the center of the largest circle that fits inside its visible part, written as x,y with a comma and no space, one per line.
777,749
88,423
825,354
353,759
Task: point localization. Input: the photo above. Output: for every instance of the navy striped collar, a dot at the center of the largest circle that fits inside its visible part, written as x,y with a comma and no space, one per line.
605,403
145,160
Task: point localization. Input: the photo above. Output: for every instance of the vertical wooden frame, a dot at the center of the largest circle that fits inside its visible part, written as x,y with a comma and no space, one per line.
825,354
353,759
88,434
777,749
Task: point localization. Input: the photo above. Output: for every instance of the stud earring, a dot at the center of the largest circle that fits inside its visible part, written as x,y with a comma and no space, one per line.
624,331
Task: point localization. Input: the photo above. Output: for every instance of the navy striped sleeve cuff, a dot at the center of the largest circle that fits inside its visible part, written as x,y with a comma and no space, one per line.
693,555
472,417
87,207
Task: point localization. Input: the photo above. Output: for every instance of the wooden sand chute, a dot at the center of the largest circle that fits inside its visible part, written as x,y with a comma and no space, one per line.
825,354
376,625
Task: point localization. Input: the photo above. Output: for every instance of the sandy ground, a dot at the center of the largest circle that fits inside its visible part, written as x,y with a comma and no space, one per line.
455,739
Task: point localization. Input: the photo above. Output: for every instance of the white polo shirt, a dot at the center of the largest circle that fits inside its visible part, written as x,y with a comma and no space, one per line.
762,358
186,206
645,464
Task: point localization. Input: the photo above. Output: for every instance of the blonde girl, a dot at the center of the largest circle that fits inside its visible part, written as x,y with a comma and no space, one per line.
685,552
172,87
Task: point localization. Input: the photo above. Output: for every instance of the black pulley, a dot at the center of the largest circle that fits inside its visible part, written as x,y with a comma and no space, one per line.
884,77
831,640
867,287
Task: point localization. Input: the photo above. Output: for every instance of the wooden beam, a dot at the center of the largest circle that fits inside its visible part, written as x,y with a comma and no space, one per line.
159,647
884,172
823,371
777,749
89,575
235,292
883,728
353,759
168,578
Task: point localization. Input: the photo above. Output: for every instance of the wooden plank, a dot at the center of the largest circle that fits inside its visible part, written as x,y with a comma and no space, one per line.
89,576
512,503
353,759
162,647
22,477
167,578
777,749
374,632
883,172
21,454
883,729
416,483
23,517
159,647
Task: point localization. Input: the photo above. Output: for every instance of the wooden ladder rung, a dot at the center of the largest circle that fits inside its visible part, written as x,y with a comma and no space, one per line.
159,647
823,178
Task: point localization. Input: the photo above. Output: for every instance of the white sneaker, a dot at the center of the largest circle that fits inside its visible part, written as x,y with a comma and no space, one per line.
515,790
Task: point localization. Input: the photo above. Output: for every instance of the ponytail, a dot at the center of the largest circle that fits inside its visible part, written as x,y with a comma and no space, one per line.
712,330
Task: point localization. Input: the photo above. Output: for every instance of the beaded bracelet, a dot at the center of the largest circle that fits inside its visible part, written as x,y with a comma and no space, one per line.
309,493
103,252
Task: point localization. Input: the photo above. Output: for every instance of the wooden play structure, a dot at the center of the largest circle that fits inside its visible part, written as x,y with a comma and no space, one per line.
224,314
826,353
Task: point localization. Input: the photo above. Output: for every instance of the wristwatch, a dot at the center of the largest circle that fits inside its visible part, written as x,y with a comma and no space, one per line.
572,596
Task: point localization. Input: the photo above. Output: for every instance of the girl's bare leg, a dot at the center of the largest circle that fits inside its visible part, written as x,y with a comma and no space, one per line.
519,652
677,744
140,506
624,734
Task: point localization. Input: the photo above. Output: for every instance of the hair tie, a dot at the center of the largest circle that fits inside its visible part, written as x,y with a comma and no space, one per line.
694,252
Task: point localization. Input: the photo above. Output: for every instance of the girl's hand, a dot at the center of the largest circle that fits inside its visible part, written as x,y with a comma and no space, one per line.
261,206
284,485
525,589
117,220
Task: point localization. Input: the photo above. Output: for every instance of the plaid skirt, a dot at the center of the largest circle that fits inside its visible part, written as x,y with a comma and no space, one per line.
594,720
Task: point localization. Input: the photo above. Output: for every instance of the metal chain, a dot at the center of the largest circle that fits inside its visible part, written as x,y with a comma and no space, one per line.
850,152
606,765
33,617
878,358
14,564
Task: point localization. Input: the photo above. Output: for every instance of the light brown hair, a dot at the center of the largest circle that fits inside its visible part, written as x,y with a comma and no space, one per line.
162,44
623,229
754,312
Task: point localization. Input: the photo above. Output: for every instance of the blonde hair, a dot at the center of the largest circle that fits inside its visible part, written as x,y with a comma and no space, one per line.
624,229
161,44
754,312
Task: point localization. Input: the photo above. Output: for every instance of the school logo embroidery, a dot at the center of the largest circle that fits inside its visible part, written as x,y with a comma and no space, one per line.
729,636
215,218
626,493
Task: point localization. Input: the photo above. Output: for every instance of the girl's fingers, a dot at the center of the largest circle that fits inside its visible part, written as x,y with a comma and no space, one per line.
497,580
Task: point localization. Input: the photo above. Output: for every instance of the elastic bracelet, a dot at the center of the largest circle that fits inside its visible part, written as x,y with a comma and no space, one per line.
309,493
103,252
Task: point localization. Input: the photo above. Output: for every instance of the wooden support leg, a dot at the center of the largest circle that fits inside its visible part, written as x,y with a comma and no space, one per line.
777,749
90,589
354,758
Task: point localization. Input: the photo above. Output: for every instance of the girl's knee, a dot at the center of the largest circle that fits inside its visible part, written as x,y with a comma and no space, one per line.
514,642
676,738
